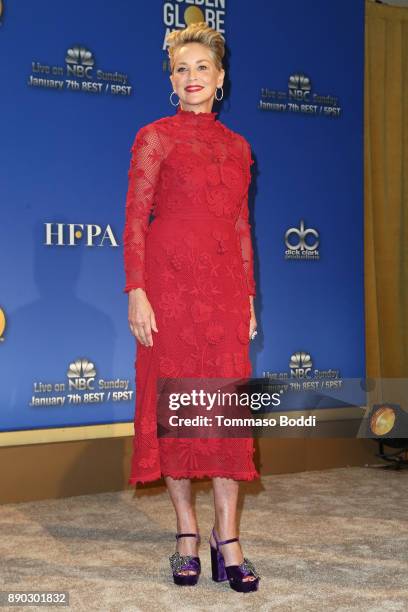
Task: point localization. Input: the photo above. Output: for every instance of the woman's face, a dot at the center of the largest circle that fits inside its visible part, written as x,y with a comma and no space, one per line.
195,77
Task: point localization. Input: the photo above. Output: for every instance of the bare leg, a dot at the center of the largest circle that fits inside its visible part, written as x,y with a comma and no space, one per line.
225,504
180,495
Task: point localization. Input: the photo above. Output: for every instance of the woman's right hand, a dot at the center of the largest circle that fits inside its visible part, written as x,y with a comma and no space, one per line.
141,317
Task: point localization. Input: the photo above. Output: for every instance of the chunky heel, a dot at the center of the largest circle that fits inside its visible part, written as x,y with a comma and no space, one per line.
235,574
180,563
217,566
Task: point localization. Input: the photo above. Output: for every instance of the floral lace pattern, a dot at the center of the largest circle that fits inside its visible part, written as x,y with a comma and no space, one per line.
195,262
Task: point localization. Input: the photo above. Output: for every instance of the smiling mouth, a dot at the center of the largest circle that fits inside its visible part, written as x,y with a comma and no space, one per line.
194,88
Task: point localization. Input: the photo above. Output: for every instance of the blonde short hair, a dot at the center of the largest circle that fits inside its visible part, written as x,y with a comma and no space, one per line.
198,32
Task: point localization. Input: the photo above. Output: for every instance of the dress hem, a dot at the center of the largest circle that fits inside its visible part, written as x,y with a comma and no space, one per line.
234,475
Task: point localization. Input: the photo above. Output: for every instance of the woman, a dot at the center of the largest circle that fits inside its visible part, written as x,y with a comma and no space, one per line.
189,276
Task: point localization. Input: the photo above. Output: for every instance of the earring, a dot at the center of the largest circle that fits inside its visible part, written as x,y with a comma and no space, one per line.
171,102
222,94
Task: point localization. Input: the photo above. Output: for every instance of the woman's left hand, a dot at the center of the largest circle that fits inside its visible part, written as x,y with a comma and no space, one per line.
252,323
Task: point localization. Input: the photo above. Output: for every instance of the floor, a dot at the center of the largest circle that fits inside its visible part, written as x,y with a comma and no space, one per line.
323,540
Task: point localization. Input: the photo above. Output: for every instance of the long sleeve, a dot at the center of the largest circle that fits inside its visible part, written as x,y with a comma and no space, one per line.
143,177
243,228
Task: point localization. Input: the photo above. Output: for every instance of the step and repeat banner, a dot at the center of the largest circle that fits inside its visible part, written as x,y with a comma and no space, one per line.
77,82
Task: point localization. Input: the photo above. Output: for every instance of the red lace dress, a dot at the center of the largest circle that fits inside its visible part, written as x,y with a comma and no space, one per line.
195,262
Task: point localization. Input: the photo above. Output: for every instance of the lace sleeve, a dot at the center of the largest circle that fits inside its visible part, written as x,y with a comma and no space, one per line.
243,228
143,177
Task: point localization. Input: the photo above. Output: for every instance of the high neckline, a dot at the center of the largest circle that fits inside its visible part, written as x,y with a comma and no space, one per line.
196,118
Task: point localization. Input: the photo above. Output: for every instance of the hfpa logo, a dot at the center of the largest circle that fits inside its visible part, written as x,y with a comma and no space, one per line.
70,234
299,87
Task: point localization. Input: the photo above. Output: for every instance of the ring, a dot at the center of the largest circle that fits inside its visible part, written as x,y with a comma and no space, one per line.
253,334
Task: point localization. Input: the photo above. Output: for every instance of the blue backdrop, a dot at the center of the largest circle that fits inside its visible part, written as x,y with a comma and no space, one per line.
76,86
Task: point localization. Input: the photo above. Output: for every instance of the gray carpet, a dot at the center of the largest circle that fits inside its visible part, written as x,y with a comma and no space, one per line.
325,540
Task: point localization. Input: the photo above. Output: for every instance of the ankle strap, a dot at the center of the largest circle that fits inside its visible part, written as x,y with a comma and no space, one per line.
227,541
188,535
220,543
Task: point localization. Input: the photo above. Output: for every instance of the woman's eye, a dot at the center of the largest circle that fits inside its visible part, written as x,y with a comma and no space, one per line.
182,68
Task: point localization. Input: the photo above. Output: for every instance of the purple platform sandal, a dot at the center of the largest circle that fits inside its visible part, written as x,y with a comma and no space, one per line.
181,563
233,573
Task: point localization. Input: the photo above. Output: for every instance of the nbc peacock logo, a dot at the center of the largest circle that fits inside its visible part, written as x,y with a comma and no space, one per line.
79,55
299,85
81,374
80,62
300,364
